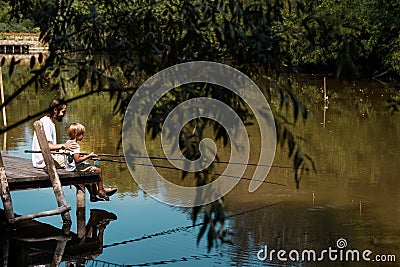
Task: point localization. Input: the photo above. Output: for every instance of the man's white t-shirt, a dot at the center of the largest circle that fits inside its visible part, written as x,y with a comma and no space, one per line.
51,136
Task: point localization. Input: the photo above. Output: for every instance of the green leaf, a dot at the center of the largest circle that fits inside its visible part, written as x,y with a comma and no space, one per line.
32,62
93,79
12,65
82,77
40,58
210,238
56,73
203,228
195,213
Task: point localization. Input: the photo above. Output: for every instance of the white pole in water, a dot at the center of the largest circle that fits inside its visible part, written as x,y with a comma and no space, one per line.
325,101
4,111
2,98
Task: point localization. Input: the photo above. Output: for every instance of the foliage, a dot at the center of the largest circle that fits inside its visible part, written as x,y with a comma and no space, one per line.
114,46
340,36
351,37
12,24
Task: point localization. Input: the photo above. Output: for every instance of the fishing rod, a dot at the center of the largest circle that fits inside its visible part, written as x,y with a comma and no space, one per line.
69,152
174,168
52,152
171,159
96,162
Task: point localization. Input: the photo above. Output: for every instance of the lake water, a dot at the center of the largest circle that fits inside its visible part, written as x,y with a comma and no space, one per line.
353,197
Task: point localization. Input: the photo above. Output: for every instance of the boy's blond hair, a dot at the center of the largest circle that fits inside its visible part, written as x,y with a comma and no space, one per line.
75,129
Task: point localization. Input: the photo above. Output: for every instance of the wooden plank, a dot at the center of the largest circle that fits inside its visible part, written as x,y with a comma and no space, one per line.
5,192
43,239
59,210
22,175
18,184
48,159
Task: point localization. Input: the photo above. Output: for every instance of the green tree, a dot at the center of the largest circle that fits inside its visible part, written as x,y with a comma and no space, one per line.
12,24
349,37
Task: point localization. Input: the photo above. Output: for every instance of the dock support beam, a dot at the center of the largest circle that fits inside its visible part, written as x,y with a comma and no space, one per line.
5,192
80,210
55,180
59,210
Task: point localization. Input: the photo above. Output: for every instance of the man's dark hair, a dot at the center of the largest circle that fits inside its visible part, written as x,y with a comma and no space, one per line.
55,104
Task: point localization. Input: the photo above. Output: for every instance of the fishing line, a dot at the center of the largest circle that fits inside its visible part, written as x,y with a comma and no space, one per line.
174,168
176,260
95,262
182,259
169,167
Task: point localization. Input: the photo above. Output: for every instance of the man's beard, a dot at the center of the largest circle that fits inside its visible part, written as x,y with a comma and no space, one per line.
59,118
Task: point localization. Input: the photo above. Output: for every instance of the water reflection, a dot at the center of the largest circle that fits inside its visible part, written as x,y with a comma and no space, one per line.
353,195
37,244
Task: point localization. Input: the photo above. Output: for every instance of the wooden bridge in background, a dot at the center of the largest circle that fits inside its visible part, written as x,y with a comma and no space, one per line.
20,44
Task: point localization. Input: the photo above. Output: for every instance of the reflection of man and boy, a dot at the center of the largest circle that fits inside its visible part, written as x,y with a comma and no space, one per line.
94,235
75,161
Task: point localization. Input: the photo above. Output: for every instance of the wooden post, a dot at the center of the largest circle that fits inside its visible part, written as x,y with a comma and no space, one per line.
5,192
80,210
6,251
55,180
59,252
5,143
80,196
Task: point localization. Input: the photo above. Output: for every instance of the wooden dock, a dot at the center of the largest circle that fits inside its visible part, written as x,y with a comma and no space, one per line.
18,173
21,175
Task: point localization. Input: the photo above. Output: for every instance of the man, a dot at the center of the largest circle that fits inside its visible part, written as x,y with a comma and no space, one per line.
56,112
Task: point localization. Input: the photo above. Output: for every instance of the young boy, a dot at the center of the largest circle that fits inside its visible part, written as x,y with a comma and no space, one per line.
76,162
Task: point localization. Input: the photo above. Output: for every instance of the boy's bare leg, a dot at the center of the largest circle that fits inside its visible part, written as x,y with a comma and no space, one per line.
98,191
100,187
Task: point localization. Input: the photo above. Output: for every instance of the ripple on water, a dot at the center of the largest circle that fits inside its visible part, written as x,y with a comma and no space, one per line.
316,208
